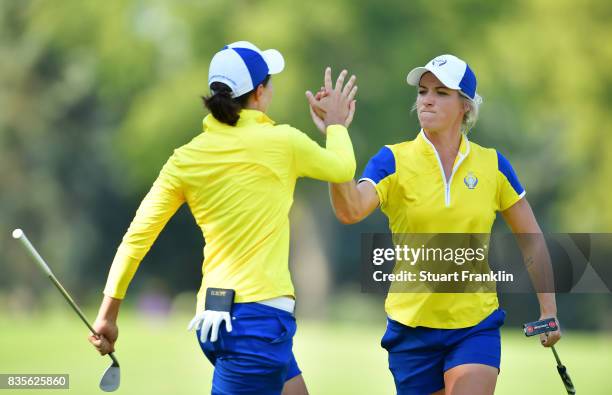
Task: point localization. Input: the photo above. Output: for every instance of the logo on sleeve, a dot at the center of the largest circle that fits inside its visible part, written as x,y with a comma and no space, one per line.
470,180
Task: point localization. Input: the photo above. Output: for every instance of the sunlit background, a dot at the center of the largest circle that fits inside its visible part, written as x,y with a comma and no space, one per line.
95,95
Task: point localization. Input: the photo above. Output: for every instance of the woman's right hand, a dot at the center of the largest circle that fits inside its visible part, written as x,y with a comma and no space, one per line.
333,105
107,334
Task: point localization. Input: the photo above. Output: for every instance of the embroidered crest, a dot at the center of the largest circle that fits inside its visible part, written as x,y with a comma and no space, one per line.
470,180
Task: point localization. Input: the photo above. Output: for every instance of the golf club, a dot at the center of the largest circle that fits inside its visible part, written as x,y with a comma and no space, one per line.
111,377
545,326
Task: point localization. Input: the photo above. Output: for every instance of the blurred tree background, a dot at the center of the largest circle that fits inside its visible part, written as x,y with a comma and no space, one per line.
96,95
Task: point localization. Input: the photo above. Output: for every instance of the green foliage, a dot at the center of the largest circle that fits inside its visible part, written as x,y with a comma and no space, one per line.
96,95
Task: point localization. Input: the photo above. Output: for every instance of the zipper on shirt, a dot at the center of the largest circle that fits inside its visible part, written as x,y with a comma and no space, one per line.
447,185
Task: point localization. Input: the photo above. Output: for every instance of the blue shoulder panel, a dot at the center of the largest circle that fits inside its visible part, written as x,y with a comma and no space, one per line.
504,166
380,166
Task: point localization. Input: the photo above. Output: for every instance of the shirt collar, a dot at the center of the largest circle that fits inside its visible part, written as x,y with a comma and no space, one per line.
427,146
247,117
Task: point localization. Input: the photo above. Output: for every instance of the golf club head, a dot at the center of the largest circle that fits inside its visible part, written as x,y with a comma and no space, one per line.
111,378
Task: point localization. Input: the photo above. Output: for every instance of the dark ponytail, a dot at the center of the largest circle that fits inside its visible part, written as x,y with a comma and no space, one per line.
221,104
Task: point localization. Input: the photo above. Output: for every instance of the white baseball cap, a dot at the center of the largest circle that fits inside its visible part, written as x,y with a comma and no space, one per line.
242,66
453,72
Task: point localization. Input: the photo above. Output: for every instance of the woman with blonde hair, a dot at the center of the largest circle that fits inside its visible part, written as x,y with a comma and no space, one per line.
440,182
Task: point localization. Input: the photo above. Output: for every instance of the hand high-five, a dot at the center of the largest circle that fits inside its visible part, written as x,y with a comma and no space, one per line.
333,105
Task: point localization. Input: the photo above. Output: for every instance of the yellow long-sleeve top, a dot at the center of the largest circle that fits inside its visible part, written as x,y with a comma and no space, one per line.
238,182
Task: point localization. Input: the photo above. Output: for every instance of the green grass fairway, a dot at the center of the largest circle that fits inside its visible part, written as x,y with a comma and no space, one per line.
160,357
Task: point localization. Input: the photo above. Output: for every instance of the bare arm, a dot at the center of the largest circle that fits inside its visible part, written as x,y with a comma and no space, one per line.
106,326
524,225
353,202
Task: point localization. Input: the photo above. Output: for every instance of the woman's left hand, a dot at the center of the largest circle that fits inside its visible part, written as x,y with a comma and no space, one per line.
333,105
317,111
549,339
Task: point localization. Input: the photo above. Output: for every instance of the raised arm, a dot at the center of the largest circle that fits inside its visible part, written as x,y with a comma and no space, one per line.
335,162
353,201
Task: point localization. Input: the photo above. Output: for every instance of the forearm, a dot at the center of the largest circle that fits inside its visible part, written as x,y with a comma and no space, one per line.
334,163
533,247
338,142
548,304
109,309
346,199
539,267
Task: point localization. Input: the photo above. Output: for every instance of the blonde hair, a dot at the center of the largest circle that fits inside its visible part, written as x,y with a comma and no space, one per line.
471,115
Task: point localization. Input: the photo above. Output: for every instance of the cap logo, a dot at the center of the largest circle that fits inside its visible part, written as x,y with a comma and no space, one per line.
438,62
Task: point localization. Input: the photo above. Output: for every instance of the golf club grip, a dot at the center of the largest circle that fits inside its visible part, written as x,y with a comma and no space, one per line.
567,381
556,356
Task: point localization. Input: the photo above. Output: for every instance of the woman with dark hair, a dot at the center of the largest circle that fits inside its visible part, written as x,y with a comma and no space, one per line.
238,179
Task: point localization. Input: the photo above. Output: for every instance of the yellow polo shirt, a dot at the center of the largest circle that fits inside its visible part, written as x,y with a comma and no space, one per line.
238,182
416,197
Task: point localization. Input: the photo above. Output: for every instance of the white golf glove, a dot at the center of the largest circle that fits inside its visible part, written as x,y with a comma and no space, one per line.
210,320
